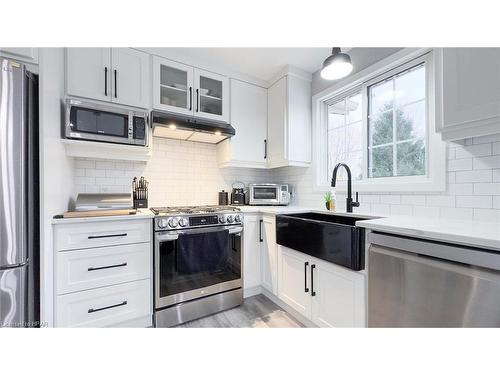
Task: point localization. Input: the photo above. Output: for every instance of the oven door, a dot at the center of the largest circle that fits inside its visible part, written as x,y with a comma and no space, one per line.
200,264
264,195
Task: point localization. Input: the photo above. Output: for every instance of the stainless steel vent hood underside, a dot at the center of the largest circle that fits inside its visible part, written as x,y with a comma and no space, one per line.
187,128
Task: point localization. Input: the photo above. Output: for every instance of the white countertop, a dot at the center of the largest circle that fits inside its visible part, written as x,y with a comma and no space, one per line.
141,214
469,233
463,232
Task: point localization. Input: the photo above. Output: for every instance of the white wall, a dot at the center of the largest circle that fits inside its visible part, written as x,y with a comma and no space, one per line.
56,170
180,173
472,189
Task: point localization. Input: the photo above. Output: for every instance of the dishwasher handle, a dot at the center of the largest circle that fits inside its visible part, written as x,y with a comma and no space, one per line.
456,253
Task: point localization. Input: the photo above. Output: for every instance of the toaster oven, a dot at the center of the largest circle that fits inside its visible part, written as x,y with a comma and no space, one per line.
268,194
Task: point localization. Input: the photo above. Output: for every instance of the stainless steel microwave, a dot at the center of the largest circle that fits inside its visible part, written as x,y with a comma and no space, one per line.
105,123
268,194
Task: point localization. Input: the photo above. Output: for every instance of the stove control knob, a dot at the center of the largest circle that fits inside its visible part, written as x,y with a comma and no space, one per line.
162,223
237,218
173,222
230,219
222,219
183,222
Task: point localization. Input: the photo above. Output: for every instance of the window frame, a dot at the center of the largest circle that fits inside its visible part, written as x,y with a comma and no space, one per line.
435,177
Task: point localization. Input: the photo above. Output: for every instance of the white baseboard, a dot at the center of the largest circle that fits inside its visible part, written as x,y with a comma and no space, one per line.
249,292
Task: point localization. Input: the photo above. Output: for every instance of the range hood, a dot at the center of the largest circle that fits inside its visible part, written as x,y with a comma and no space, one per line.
189,128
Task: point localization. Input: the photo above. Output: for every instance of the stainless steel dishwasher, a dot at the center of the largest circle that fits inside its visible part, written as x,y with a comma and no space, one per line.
420,283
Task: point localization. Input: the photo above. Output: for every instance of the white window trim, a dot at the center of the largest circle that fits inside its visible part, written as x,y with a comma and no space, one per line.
435,180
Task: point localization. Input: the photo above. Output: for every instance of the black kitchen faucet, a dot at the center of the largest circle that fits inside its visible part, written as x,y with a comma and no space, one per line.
349,203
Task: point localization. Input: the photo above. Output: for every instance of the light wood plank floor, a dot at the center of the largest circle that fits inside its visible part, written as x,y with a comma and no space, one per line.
255,312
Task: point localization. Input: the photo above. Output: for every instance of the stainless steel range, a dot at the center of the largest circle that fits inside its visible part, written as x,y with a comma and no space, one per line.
197,262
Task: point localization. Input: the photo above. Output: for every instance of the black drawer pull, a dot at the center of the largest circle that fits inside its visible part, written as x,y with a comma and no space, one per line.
106,267
107,236
306,289
107,307
260,231
313,293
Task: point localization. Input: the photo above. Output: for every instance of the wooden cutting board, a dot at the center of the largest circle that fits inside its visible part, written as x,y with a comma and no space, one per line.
99,213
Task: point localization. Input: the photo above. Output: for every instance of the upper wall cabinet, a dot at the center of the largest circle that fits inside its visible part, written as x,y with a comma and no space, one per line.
186,90
249,118
26,54
289,122
118,75
468,92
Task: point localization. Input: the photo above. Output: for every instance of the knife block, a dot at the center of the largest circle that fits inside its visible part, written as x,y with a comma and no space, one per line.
140,203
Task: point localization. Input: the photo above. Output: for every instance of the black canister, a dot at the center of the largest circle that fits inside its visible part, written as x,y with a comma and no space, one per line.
223,198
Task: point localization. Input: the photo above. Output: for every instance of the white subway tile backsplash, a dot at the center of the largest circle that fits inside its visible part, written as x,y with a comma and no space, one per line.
460,165
456,213
473,176
186,173
473,151
487,162
474,201
487,188
440,200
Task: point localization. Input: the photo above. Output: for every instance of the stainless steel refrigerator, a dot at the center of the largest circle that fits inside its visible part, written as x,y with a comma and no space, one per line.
19,196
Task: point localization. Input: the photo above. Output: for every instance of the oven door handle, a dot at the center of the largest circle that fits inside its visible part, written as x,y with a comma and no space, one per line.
172,236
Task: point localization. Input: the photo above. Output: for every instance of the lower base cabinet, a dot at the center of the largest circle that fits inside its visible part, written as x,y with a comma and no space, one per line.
269,266
326,294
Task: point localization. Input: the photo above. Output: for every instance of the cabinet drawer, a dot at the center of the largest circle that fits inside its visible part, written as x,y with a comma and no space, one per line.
106,306
96,234
93,268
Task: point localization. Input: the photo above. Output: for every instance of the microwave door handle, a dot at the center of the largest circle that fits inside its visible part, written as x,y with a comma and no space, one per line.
105,81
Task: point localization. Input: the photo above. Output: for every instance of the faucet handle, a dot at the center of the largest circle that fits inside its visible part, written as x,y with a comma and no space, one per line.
356,204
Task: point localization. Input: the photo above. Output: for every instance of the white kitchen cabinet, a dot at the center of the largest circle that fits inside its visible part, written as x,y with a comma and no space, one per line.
251,251
327,294
293,282
88,73
339,299
249,118
186,90
118,75
131,77
103,273
289,122
25,54
269,254
467,92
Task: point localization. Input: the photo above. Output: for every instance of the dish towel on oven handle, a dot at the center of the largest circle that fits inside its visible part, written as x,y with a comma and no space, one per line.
203,252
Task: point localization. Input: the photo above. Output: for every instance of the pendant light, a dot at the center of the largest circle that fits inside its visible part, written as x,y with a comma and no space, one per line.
337,65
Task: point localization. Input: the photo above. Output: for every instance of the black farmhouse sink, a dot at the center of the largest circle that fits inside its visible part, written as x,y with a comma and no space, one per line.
333,238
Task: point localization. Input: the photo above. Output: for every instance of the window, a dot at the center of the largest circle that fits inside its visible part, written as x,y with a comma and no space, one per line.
397,125
345,135
382,126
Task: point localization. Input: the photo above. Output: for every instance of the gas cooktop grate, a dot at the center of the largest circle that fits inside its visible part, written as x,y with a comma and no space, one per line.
193,209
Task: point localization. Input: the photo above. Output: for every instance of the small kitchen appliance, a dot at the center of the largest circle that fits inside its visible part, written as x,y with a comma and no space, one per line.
105,123
238,194
197,262
223,198
268,194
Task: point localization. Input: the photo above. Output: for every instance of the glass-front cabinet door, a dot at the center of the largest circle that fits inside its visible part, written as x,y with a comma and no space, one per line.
173,86
211,96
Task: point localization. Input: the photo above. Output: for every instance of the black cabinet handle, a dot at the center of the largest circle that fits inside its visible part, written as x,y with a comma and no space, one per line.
260,231
105,81
197,100
306,289
107,236
107,307
116,93
106,267
265,148
190,98
313,293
